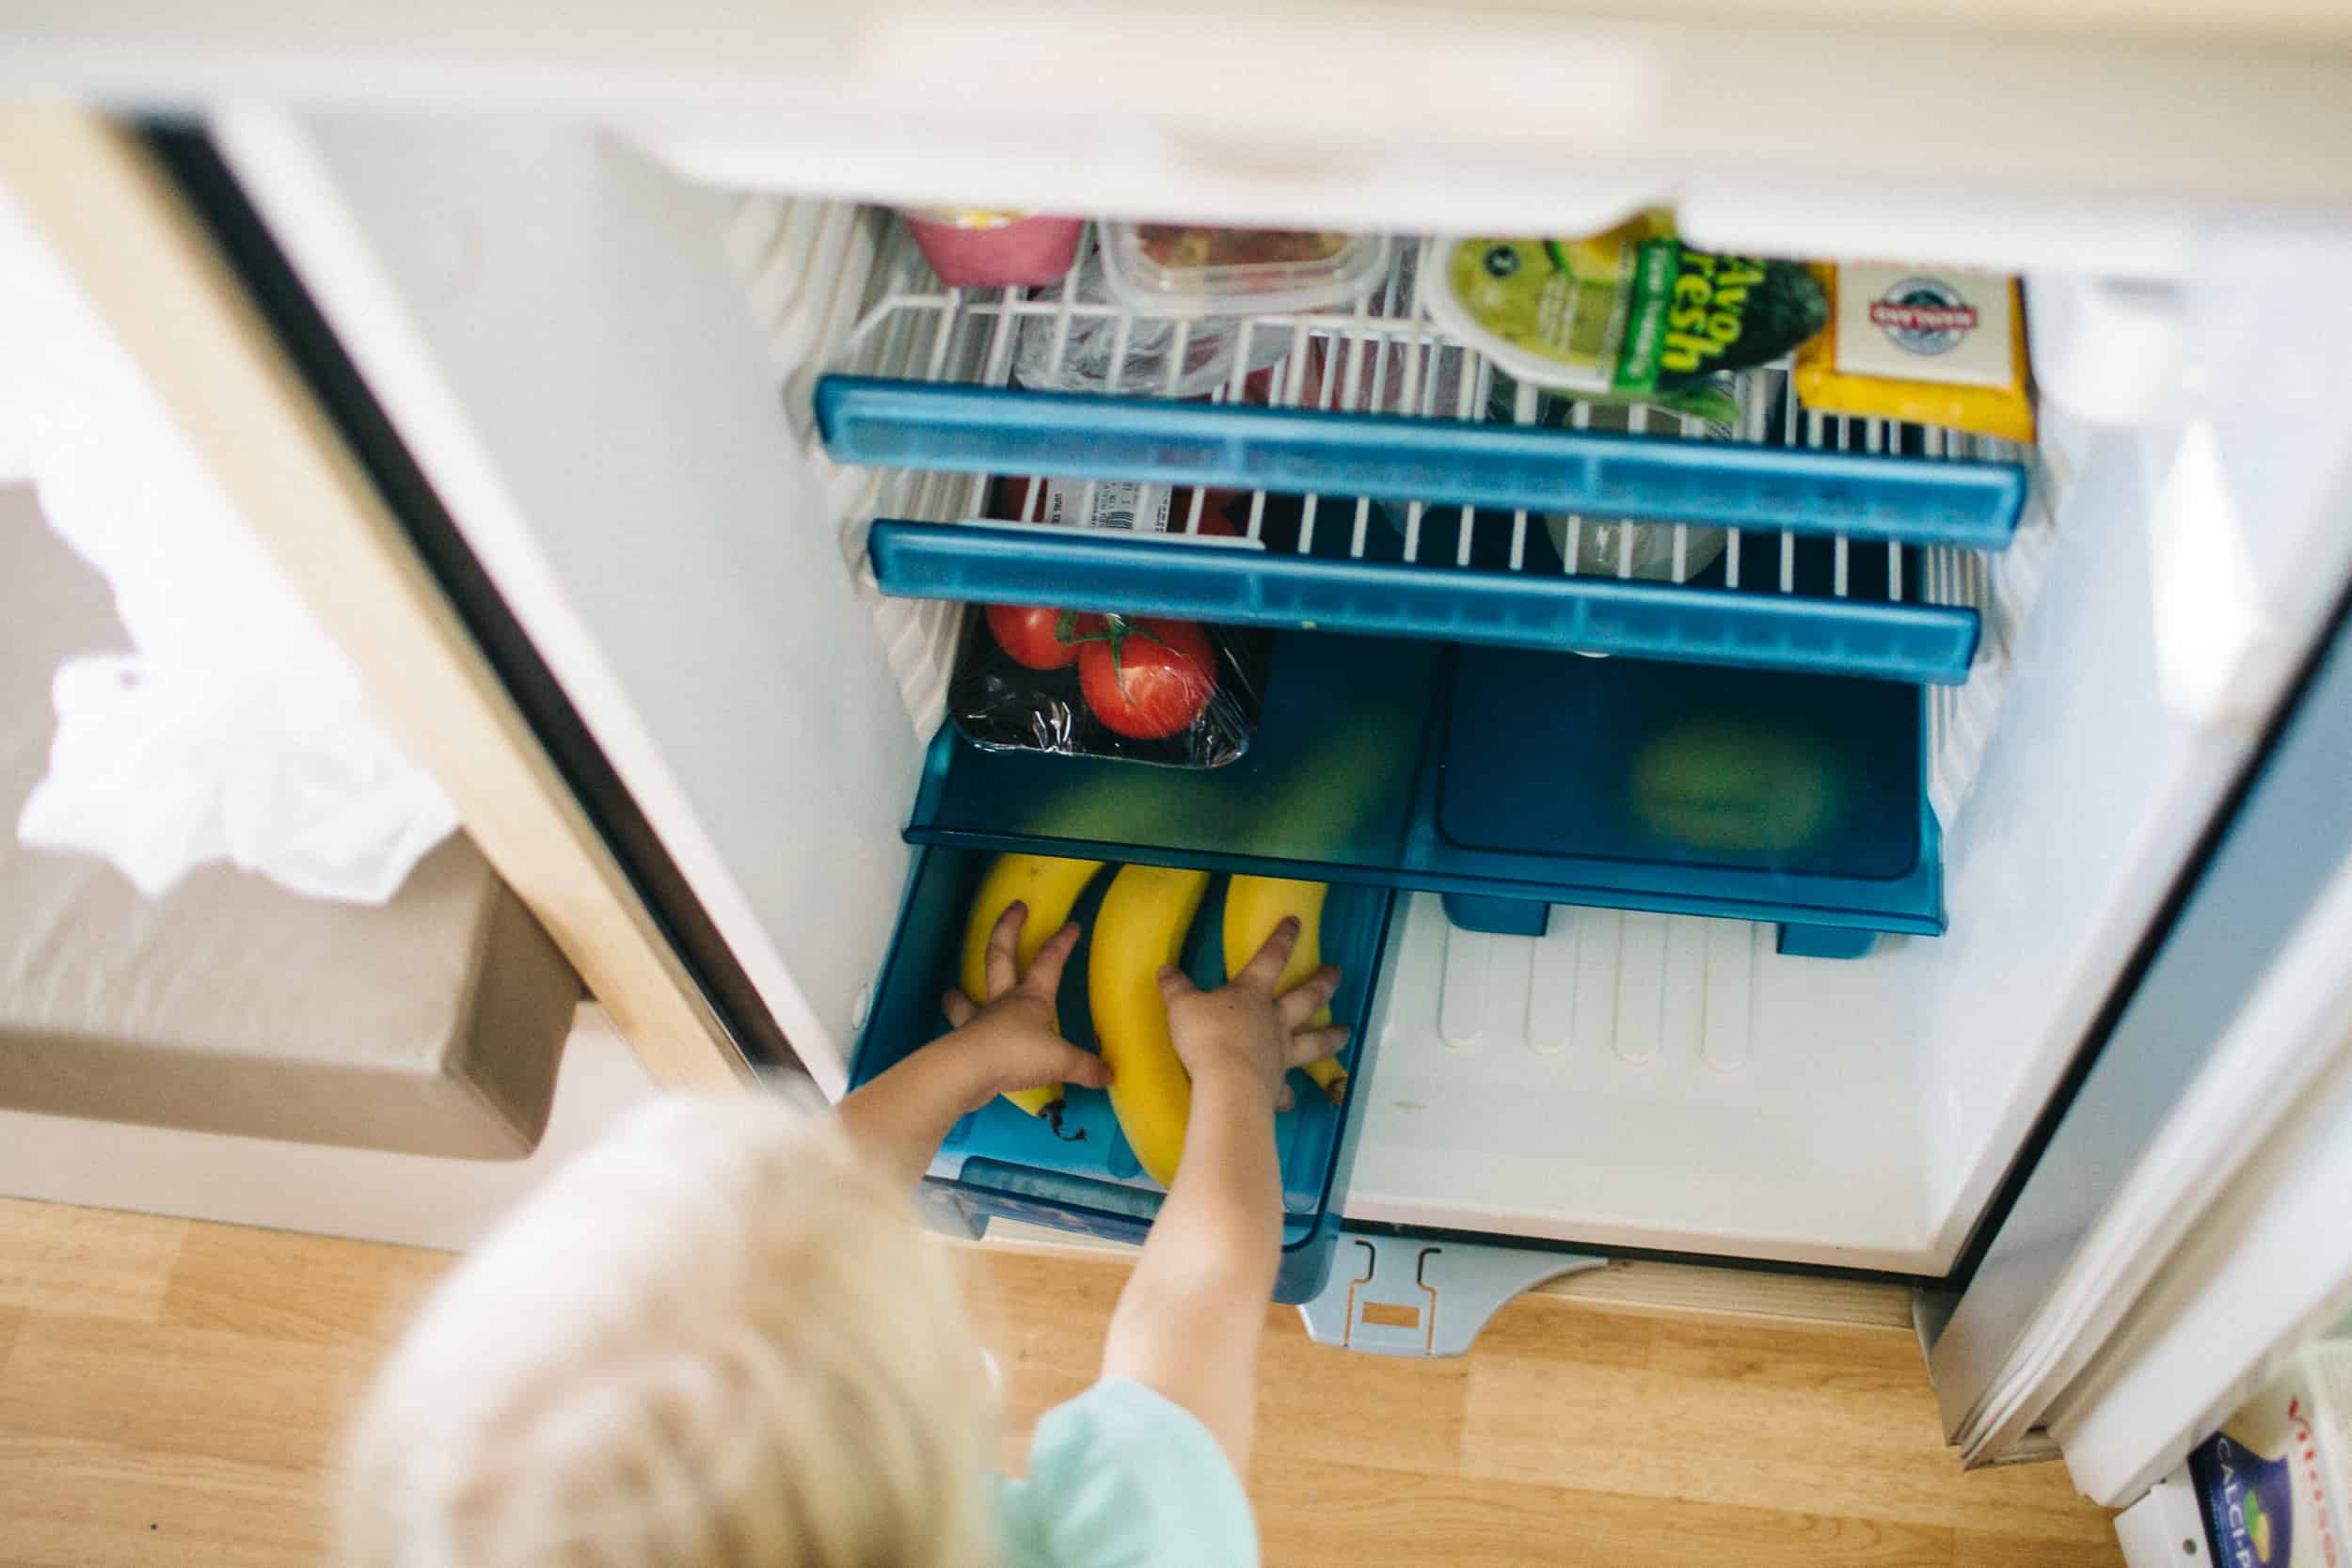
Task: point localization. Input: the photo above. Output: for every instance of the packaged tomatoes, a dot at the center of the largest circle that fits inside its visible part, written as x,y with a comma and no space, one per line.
1142,688
1148,677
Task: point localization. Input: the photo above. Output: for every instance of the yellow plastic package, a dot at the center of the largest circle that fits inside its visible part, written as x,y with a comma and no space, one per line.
1927,345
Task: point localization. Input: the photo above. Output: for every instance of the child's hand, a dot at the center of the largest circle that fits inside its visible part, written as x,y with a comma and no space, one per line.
1243,1030
1011,1043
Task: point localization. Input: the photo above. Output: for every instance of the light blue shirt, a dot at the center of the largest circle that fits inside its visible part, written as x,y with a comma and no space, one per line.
1123,1476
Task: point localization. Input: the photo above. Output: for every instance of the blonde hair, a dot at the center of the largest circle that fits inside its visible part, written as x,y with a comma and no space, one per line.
715,1339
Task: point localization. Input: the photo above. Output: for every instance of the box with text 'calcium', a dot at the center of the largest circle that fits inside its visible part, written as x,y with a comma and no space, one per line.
2271,1482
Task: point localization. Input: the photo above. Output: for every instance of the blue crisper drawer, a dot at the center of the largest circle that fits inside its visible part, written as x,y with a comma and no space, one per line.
1505,774
967,429
1000,1161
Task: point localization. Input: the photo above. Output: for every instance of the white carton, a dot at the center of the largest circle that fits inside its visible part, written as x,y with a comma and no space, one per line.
1924,324
2271,1482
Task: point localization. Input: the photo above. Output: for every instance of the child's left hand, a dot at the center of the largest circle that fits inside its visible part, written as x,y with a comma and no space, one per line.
1011,1043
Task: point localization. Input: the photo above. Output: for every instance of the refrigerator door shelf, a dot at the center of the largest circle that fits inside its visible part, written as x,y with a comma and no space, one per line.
2166,1528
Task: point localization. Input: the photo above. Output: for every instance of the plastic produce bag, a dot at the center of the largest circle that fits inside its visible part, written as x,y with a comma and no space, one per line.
234,730
1142,689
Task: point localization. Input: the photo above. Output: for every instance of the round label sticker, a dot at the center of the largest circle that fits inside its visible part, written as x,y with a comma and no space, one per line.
1924,315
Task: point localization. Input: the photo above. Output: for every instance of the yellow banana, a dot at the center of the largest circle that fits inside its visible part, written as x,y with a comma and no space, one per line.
1049,886
1140,929
1253,907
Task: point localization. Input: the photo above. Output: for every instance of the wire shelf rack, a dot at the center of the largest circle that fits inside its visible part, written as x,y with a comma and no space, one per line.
1372,532
831,287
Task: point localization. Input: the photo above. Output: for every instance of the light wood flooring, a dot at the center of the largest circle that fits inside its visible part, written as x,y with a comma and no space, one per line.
169,1392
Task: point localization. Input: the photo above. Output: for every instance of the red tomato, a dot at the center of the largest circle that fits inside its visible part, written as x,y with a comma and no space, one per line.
1030,634
1215,513
1148,678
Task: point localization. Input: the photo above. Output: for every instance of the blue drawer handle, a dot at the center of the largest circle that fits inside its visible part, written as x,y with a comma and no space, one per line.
1106,571
964,429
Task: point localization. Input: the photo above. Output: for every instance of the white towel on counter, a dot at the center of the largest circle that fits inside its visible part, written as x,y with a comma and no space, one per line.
232,728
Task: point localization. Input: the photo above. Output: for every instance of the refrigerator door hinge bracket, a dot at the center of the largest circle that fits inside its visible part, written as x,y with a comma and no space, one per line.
1398,1295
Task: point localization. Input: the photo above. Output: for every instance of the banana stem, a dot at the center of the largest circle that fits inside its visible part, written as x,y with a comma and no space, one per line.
1329,1077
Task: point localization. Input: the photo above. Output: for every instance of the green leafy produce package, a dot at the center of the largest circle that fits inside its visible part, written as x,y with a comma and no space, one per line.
1632,315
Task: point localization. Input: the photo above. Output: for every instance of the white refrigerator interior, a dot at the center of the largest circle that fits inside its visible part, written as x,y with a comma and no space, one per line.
603,365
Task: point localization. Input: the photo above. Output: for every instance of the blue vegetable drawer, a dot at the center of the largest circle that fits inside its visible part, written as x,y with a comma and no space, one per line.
1000,1161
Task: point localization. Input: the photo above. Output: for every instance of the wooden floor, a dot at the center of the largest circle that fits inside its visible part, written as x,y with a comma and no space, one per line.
169,1392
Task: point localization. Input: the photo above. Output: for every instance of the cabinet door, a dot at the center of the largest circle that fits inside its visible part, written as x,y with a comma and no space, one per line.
107,206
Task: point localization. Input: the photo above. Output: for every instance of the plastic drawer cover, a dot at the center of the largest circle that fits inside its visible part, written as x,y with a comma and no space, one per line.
1505,773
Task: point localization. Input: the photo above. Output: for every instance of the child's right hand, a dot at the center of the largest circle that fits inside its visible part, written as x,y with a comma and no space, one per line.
1242,1030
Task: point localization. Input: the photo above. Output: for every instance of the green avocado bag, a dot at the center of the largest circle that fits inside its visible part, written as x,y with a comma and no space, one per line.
1641,321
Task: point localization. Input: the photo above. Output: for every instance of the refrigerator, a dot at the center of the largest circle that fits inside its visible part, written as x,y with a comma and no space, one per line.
2047,1017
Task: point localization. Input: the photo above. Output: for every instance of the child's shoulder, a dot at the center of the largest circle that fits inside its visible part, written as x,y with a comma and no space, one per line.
1122,1475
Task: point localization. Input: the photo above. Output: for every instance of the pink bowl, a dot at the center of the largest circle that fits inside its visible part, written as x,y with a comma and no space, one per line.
1020,254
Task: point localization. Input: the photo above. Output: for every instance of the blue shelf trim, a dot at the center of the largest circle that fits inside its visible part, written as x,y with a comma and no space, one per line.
1911,906
1546,611
964,429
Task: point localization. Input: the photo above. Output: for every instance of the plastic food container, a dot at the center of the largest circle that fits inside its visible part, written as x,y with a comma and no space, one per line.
1559,321
974,249
1180,269
1619,547
1077,357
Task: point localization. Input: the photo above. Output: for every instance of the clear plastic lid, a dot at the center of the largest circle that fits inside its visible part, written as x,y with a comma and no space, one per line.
1187,269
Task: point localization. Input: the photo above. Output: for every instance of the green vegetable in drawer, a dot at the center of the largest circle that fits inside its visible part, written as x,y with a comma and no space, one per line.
1719,785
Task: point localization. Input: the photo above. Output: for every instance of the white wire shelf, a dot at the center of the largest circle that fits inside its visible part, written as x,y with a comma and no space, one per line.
833,288
1665,587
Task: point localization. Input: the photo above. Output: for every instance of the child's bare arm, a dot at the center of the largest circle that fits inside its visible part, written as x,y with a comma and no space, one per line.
901,1118
1189,1321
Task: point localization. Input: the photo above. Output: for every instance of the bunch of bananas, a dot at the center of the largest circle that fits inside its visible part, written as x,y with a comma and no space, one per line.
1140,929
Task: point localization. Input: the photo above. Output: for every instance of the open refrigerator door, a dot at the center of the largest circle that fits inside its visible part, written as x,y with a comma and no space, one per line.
2183,1231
